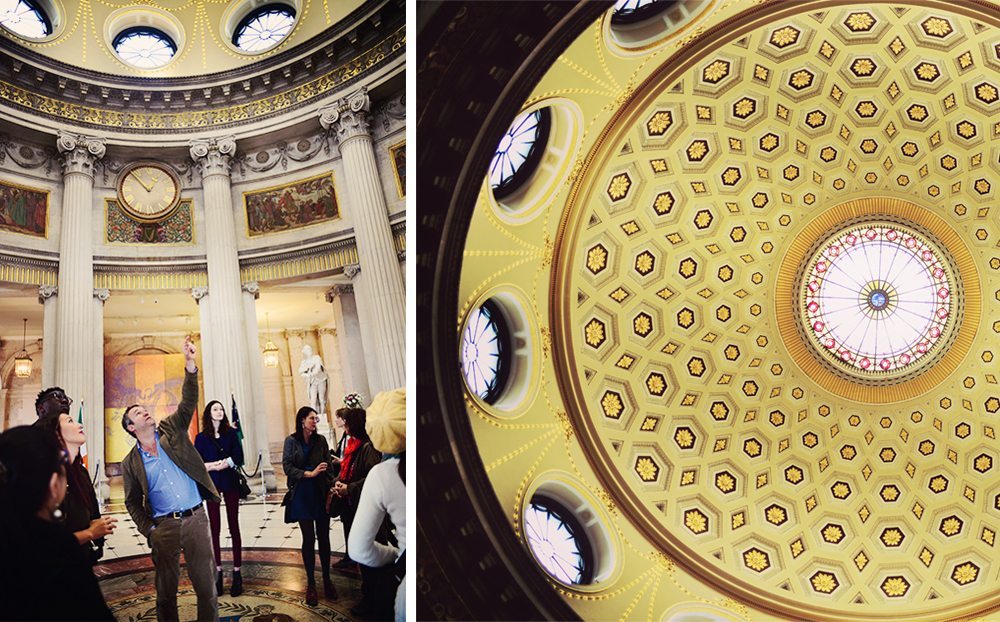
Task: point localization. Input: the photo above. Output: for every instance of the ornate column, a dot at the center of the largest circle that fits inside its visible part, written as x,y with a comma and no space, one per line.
349,340
47,298
208,367
74,322
228,339
382,288
93,413
256,409
300,394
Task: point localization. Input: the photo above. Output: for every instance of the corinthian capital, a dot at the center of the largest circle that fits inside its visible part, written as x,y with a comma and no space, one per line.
340,289
198,292
252,288
80,152
213,156
349,117
46,291
102,294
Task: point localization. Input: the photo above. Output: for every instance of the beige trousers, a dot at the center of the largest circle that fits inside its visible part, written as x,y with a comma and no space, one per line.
191,535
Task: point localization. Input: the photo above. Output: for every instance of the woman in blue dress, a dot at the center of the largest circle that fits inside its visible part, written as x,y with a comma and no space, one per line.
310,467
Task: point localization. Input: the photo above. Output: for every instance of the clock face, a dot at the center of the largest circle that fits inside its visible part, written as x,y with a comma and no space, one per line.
148,191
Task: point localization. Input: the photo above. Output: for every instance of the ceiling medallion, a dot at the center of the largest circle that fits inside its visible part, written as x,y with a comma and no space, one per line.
879,301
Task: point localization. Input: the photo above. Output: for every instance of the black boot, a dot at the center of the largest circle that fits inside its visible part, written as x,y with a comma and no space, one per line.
237,587
218,583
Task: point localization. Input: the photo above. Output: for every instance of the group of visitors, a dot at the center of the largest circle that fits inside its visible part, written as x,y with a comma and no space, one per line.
50,519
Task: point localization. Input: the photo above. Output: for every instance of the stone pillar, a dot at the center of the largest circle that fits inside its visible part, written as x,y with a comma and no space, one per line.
402,265
330,351
385,307
300,393
93,413
257,407
349,341
228,337
362,304
200,295
74,322
47,298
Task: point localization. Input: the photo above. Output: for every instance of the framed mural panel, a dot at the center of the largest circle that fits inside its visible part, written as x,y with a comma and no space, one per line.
296,205
24,210
120,228
397,153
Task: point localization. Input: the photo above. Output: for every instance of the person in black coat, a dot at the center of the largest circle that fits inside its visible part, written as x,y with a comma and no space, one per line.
40,555
309,466
220,447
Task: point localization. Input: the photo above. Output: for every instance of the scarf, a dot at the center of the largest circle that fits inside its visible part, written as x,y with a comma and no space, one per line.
346,465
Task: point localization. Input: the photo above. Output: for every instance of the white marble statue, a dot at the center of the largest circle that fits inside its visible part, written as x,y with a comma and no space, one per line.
312,370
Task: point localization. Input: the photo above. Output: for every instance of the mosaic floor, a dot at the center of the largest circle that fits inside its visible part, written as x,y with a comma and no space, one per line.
273,578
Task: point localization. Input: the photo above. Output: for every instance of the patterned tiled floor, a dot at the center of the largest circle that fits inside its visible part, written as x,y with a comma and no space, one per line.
274,580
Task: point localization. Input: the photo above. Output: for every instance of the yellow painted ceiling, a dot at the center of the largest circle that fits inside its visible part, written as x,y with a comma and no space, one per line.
83,39
658,273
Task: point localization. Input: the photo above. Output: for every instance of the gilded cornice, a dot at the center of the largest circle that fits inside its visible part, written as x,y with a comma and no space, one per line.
114,117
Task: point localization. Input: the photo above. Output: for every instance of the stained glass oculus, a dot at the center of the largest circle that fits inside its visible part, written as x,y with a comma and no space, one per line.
145,48
25,18
519,152
632,11
556,540
485,358
264,27
878,300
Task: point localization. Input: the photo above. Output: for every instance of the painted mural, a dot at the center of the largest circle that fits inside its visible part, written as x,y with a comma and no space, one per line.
398,155
153,380
292,206
24,210
123,229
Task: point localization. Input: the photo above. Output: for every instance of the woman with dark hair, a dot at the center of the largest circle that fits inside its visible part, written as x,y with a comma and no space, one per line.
39,554
79,511
359,458
309,467
220,448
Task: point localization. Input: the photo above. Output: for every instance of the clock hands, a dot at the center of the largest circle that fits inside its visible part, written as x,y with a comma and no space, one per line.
142,183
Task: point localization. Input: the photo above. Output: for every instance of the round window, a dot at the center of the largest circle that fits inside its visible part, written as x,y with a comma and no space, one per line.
264,27
144,47
558,541
634,11
486,352
26,18
519,152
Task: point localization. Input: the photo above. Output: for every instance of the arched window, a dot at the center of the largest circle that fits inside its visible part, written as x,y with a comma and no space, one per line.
264,27
26,18
144,47
486,352
634,11
519,152
558,542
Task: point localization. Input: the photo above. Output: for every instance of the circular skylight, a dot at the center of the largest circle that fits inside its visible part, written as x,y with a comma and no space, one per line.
264,28
25,17
631,11
877,300
484,360
557,542
145,48
519,151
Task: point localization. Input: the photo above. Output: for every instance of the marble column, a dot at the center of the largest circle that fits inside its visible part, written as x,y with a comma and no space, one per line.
300,393
330,351
74,321
257,407
93,422
227,335
47,298
402,265
200,295
349,121
349,340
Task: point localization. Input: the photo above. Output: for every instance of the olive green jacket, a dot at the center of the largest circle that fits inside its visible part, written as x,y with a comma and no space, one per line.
177,445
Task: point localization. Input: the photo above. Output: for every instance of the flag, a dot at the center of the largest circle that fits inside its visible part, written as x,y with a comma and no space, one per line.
83,448
236,421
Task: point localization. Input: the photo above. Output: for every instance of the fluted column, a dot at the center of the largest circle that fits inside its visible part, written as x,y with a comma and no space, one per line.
256,409
349,121
300,394
228,338
330,351
349,340
208,368
93,422
47,298
74,322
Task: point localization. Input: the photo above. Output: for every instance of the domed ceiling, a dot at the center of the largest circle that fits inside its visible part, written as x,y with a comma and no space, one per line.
748,294
83,33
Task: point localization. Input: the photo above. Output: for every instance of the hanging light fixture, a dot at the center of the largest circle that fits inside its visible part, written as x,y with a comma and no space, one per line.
22,362
270,350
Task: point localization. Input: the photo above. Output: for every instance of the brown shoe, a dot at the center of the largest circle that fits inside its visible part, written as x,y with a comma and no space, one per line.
312,599
329,590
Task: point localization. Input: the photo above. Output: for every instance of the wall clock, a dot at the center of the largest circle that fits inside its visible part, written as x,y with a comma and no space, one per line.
148,191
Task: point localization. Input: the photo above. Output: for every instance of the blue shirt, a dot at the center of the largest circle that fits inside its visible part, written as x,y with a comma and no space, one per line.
170,488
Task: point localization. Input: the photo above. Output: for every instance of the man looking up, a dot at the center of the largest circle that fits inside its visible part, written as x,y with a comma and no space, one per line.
52,402
165,484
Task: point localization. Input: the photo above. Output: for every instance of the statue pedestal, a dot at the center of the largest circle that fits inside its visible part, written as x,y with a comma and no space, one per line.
323,427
